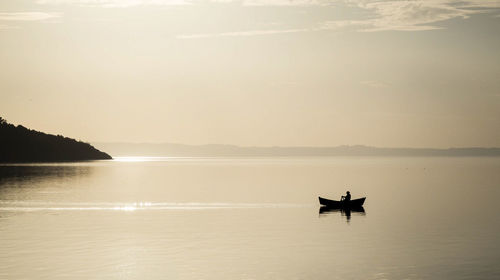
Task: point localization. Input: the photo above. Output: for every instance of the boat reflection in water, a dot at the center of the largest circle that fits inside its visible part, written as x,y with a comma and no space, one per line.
344,211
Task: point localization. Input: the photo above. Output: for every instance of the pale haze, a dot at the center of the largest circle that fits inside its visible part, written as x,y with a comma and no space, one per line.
254,73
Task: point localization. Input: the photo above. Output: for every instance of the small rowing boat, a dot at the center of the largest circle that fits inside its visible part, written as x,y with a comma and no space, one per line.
342,204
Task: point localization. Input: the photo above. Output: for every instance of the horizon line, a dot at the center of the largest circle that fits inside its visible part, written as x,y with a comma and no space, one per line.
286,147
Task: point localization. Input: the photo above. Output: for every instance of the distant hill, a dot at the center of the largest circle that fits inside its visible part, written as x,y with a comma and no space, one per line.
169,149
20,144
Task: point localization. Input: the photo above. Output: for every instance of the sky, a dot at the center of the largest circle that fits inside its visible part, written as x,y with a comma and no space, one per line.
254,72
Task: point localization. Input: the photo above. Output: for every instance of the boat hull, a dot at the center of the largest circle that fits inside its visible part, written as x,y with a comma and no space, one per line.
342,204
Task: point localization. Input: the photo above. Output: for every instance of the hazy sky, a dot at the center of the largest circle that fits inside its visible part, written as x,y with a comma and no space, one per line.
257,72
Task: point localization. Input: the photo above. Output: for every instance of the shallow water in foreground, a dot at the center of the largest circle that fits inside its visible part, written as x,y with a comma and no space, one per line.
195,218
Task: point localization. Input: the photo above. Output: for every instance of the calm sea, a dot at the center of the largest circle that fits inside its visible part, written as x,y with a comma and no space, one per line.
202,218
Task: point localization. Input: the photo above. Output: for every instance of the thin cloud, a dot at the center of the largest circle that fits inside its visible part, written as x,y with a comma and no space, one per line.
286,2
244,33
117,3
131,3
413,15
27,16
410,15
481,4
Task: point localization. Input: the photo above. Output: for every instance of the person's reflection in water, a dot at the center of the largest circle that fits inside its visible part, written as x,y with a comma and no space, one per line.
346,212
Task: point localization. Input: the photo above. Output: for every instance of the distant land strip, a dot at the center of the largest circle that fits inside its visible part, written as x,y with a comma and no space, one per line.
216,150
20,144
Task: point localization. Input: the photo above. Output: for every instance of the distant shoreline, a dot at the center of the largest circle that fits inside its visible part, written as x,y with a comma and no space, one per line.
215,150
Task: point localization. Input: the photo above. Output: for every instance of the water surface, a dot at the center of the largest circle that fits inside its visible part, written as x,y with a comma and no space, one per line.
203,218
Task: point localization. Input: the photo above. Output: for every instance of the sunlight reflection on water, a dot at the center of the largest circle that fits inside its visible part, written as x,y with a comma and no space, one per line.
27,206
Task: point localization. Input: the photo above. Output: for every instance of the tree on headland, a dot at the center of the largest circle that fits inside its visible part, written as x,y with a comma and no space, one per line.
20,144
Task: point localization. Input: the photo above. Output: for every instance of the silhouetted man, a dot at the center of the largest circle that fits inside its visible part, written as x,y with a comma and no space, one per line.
346,197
